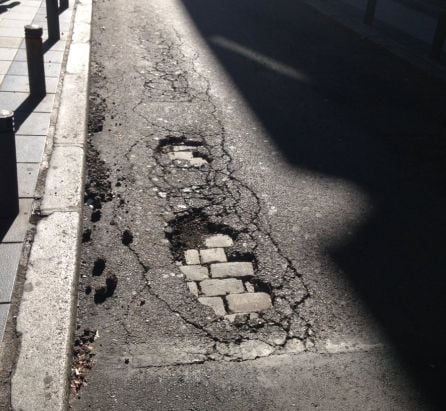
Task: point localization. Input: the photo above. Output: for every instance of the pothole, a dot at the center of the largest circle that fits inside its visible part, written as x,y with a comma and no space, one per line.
184,151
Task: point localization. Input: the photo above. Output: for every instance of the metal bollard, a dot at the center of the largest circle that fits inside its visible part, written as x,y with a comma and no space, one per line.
34,56
9,200
439,37
52,14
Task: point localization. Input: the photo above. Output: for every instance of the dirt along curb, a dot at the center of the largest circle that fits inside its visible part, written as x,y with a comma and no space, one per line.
48,306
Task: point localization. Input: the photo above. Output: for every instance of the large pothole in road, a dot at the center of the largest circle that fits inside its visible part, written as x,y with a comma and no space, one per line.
184,151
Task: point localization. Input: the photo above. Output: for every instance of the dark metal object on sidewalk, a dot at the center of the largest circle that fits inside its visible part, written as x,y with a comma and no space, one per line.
9,198
34,55
52,14
370,12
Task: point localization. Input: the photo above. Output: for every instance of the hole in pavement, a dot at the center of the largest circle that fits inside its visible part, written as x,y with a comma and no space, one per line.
98,267
189,231
188,149
96,216
101,293
127,237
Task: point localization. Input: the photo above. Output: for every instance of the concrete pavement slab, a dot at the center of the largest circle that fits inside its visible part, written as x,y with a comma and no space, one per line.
13,231
27,174
29,149
9,261
36,124
12,101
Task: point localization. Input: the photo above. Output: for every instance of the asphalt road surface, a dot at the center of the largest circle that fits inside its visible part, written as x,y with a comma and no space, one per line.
319,154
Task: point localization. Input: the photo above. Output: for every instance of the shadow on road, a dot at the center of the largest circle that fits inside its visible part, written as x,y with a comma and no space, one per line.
338,105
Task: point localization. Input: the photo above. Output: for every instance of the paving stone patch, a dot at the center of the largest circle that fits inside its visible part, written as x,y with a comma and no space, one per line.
195,272
232,269
192,257
193,288
249,302
219,241
216,303
221,287
212,255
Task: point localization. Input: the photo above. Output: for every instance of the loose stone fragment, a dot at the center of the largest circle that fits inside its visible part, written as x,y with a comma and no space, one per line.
253,349
294,346
221,287
195,272
192,257
238,269
212,255
219,240
232,317
198,162
249,287
193,288
181,155
249,302
216,303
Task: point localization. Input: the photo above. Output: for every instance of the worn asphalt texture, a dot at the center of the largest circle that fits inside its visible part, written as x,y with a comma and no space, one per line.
325,165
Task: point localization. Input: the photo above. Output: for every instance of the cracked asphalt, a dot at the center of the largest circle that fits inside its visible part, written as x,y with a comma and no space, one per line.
290,165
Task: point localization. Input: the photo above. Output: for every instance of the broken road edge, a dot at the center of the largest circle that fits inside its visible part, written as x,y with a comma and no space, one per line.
47,310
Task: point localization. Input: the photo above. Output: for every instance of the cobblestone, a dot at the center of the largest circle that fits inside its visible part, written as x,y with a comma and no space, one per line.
195,272
248,302
234,269
249,287
192,257
213,255
219,240
221,287
216,303
193,288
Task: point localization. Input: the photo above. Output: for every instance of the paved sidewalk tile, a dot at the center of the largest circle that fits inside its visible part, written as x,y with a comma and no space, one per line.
51,56
11,42
7,54
15,231
21,83
4,311
29,149
4,66
27,175
36,124
9,261
13,101
20,68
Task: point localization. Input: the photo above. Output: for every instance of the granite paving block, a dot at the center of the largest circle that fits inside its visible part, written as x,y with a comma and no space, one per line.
212,255
213,288
4,311
9,261
194,272
219,240
36,124
10,42
19,101
27,175
232,269
21,83
29,149
216,303
249,302
14,230
7,54
192,257
20,68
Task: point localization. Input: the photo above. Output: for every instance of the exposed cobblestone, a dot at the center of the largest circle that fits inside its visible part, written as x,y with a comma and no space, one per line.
216,303
248,302
213,255
237,269
192,257
195,272
193,288
219,240
221,287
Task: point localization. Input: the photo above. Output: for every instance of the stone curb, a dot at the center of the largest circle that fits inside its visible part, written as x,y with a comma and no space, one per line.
47,311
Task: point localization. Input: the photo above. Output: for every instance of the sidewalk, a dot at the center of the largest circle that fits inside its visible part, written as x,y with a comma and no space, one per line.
32,123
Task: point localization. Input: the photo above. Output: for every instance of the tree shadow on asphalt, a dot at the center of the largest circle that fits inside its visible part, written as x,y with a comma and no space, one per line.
338,105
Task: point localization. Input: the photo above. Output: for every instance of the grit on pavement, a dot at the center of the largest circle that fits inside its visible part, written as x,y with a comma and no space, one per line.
263,214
